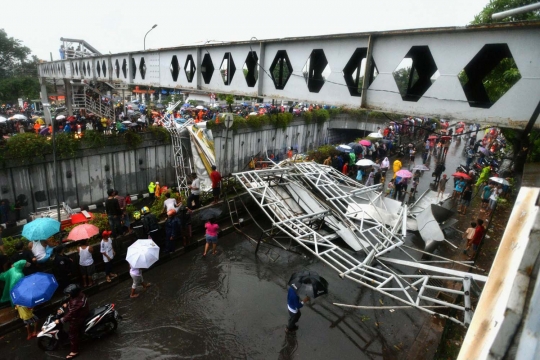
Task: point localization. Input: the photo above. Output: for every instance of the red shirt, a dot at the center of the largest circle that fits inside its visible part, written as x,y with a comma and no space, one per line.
215,176
345,169
478,234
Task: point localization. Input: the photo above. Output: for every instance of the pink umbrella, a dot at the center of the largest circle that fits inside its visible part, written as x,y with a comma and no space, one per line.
404,174
365,142
84,231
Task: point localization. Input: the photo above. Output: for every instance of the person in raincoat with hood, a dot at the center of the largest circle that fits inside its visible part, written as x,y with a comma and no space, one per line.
151,189
157,192
396,166
11,277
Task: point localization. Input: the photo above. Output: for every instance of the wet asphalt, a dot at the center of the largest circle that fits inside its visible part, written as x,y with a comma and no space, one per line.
233,306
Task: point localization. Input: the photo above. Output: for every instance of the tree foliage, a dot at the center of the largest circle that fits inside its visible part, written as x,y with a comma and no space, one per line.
505,75
495,6
18,71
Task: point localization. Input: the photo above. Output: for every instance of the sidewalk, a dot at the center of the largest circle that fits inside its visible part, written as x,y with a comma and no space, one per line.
9,320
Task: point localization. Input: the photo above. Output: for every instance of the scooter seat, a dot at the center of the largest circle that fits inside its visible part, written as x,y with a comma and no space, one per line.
96,311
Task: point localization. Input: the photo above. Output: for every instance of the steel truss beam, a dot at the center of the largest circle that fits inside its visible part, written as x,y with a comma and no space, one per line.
421,290
179,161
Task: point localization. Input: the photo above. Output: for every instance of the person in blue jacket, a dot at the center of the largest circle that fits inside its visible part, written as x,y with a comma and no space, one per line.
294,304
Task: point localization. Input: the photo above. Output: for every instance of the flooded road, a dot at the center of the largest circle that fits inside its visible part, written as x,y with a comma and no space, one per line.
233,306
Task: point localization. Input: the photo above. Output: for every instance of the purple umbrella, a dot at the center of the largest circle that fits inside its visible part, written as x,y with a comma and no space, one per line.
483,150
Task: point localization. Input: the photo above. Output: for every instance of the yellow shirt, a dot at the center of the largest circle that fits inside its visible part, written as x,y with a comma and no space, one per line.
24,312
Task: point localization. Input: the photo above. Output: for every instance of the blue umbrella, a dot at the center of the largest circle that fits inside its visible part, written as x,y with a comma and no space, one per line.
34,289
41,229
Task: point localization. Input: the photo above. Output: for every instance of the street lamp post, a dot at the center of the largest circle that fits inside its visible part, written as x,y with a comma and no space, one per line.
229,118
153,27
47,106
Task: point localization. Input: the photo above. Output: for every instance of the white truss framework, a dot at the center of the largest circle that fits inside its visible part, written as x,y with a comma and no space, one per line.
175,130
270,188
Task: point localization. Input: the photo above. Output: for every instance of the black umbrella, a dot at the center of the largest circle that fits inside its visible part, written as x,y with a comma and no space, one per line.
308,283
210,213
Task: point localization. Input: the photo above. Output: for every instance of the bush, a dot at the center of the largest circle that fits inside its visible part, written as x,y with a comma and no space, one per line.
322,153
308,117
27,147
10,242
160,133
321,116
334,112
283,120
93,139
133,139
66,145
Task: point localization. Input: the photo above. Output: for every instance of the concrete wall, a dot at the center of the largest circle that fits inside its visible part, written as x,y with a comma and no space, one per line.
243,144
84,180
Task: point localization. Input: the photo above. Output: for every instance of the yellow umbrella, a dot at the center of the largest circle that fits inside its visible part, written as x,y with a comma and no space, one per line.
40,121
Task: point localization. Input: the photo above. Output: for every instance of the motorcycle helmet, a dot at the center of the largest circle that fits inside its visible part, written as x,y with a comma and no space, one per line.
136,215
72,290
145,210
171,212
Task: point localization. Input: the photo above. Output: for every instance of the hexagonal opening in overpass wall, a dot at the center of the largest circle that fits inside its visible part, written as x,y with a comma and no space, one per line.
207,68
98,69
190,68
104,68
316,70
355,70
77,68
227,68
489,75
142,68
281,69
84,69
117,69
415,74
251,69
89,68
175,68
133,68
124,68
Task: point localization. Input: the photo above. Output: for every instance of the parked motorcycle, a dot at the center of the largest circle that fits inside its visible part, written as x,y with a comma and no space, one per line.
101,321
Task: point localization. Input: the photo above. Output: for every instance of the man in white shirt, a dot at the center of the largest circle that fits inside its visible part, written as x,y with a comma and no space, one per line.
195,188
170,204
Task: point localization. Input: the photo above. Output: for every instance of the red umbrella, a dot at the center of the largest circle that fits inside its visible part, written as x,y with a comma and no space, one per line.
82,232
461,175
432,137
71,118
446,137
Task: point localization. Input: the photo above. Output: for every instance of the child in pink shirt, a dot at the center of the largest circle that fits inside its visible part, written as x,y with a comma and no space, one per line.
211,236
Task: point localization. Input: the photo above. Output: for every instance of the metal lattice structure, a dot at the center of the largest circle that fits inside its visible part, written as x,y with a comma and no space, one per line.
175,130
294,210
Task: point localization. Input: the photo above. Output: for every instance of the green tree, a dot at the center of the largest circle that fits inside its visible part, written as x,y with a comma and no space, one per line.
496,6
18,72
525,143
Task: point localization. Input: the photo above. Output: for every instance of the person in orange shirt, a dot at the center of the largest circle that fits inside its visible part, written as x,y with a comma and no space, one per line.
50,129
157,192
290,153
36,127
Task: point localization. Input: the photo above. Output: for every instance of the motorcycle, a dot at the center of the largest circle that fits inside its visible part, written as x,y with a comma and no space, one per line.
101,321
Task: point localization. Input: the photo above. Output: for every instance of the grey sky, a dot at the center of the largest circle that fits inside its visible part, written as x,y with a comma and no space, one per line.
118,26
